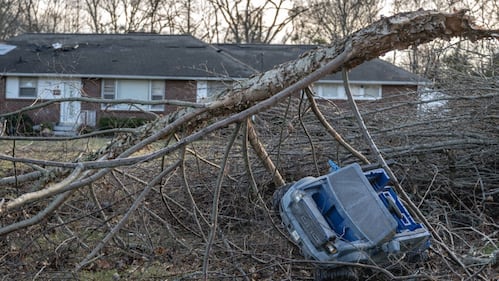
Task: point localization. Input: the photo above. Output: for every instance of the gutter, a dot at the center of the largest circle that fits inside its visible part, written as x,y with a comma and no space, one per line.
156,77
110,76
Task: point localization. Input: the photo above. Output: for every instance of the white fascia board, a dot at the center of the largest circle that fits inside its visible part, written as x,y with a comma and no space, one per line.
139,77
374,82
110,76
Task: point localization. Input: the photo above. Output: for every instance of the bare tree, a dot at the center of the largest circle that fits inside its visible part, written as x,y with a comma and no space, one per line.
9,18
327,21
92,7
111,8
155,16
181,16
48,16
245,21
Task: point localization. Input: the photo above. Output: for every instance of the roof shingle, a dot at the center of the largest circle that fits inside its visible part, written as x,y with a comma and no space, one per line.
143,55
130,55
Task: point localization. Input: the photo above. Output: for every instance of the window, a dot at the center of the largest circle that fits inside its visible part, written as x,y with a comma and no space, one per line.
357,91
109,89
157,93
363,92
208,90
27,87
337,91
328,91
372,92
134,89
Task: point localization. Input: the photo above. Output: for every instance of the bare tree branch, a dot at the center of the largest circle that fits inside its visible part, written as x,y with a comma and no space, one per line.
124,219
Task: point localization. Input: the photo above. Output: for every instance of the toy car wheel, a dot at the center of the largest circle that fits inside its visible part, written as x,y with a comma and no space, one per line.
417,257
278,194
345,273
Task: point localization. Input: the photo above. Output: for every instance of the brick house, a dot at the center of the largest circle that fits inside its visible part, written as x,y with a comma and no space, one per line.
42,67
371,80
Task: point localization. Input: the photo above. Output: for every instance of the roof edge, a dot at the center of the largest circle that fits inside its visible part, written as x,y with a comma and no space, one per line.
139,77
375,82
135,77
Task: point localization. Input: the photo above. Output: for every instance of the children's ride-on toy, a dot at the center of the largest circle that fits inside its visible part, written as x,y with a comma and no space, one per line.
348,216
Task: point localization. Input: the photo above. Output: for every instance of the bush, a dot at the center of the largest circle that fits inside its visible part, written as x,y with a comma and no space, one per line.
106,123
19,124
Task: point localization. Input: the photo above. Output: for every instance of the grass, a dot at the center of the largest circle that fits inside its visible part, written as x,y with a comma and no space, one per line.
63,151
66,150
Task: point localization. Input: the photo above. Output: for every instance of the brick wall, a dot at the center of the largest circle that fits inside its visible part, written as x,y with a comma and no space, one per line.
180,90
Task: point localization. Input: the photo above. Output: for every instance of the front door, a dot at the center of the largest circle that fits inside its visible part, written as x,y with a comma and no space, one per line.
70,110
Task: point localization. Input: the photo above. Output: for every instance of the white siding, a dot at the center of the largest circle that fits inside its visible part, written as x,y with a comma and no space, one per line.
12,88
201,91
47,88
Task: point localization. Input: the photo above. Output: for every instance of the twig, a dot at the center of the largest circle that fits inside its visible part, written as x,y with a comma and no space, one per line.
249,170
263,155
216,201
33,196
125,217
195,154
429,186
373,267
281,132
156,216
330,129
195,208
309,138
58,200
253,181
231,253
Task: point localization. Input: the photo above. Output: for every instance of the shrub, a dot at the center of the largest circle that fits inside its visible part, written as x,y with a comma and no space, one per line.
19,124
116,122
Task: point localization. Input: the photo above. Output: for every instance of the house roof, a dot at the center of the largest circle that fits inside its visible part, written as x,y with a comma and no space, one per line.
262,57
118,55
143,55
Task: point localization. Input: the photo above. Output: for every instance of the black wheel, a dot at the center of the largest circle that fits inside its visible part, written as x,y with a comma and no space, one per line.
344,273
278,194
418,257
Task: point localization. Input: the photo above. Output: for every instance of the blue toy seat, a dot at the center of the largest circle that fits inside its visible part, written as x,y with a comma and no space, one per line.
358,206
